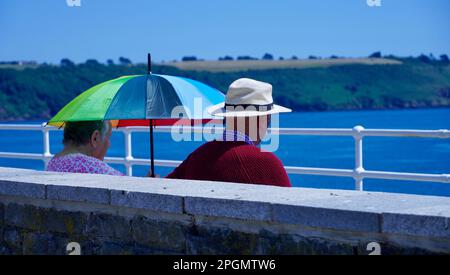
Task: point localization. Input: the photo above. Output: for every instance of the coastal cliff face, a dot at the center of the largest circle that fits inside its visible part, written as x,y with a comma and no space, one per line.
47,213
39,91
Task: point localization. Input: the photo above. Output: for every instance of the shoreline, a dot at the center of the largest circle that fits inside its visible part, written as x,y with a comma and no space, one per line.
43,119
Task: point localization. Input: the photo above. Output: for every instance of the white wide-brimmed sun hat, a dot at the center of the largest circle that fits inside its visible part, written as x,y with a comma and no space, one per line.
245,98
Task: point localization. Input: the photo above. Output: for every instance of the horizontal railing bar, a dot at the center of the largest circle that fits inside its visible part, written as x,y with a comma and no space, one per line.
442,133
407,133
115,160
323,171
319,171
24,127
282,131
138,161
316,131
21,155
445,178
312,131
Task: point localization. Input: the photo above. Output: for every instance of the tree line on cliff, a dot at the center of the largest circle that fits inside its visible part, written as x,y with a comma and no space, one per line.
38,92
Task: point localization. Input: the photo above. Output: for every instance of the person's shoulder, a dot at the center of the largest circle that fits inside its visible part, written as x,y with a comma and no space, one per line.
256,152
219,145
245,147
205,147
107,169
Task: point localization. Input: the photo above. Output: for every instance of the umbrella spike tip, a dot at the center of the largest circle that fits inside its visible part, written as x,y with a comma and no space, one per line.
149,63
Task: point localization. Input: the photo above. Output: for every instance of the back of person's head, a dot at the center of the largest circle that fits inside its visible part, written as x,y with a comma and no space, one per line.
80,132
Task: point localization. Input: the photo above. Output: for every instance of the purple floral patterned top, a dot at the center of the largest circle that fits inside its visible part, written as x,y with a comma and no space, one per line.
80,163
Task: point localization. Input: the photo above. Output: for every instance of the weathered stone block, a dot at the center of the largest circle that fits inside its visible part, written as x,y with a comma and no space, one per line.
11,241
115,248
416,225
220,241
23,216
328,218
24,189
44,219
52,244
4,250
159,235
150,201
68,222
289,244
2,214
143,250
78,193
111,226
251,210
108,247
12,237
38,244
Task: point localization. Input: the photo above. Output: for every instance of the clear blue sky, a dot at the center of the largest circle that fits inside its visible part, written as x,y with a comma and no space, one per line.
48,30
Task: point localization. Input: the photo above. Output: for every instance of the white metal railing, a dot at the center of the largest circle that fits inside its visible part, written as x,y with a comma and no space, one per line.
358,173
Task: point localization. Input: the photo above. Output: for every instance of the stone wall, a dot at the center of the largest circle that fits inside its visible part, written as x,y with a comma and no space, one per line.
42,212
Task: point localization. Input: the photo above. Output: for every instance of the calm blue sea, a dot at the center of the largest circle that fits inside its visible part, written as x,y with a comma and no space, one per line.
419,155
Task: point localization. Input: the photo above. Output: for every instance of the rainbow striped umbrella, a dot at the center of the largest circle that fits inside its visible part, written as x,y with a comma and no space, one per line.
142,100
137,100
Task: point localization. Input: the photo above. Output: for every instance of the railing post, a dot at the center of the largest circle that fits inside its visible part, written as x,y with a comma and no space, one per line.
128,151
46,155
358,136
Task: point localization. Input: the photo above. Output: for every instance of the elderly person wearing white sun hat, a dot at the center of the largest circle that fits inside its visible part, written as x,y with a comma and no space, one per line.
234,157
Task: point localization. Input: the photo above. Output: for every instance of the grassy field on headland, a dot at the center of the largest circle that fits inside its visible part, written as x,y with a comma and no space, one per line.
38,92
245,65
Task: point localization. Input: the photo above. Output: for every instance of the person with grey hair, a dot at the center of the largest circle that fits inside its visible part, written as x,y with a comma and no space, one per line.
85,147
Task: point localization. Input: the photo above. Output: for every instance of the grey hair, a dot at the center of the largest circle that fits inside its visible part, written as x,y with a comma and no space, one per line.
80,132
105,128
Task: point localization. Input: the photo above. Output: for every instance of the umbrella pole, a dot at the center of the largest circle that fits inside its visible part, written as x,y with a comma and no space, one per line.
149,64
152,157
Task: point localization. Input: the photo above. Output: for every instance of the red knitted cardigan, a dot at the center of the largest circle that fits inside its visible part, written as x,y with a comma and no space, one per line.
232,161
